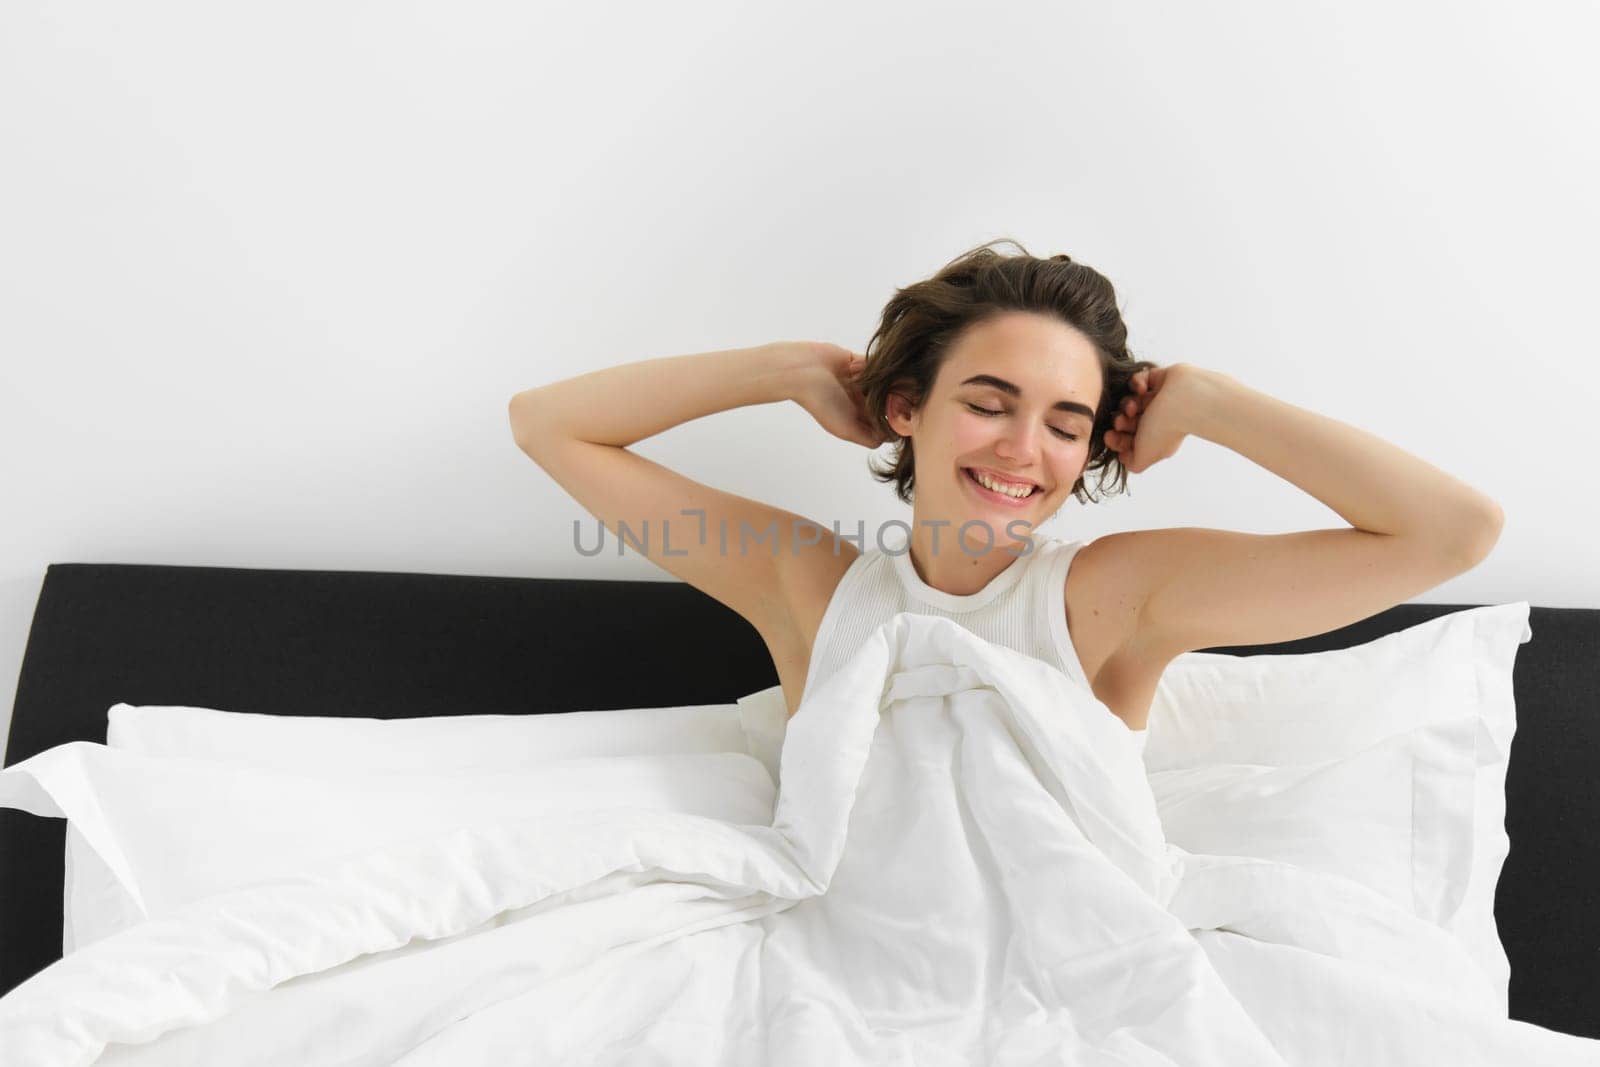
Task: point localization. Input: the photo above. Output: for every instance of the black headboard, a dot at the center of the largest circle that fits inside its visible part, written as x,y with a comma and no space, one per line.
392,645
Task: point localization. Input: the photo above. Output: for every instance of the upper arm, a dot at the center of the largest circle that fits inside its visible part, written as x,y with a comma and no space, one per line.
1213,588
617,486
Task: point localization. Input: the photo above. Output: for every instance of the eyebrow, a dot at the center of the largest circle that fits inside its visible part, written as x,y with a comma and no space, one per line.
1008,388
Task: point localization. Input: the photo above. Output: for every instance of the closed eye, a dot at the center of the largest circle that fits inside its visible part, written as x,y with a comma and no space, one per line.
990,412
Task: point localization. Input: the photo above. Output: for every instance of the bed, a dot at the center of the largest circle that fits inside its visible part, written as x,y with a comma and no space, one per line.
399,645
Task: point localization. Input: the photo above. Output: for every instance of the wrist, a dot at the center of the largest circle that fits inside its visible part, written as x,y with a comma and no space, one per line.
788,371
1206,394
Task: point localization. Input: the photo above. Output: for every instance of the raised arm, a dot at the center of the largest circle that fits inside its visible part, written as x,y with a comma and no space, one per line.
1412,525
625,404
578,431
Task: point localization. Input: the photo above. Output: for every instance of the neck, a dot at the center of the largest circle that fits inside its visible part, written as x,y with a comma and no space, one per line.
960,566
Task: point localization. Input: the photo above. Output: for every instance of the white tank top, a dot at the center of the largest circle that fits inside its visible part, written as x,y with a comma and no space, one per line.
1023,608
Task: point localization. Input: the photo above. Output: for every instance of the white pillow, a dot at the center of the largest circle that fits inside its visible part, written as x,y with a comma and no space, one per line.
173,829
336,744
1437,683
95,901
1395,817
764,716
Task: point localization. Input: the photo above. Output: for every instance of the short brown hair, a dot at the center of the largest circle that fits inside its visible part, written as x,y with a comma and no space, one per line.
922,322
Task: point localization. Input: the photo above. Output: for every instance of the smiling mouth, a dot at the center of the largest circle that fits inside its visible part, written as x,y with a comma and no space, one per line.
972,477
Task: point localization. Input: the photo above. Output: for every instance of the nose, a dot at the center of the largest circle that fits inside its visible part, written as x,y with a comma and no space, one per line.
1018,442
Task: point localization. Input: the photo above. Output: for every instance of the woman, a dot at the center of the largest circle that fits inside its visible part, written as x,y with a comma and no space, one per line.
1003,382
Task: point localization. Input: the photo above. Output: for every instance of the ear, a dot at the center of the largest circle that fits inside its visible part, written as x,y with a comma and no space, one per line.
899,414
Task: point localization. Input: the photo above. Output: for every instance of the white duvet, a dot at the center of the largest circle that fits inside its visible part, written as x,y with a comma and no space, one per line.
965,866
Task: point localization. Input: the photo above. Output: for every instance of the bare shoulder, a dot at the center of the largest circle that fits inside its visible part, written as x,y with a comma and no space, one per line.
1106,588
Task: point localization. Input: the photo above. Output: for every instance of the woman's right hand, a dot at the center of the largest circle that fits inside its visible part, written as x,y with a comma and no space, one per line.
831,393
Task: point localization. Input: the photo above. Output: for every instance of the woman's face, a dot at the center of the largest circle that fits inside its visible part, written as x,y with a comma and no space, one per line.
1039,434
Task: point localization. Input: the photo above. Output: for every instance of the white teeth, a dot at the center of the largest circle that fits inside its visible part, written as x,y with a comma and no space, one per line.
994,486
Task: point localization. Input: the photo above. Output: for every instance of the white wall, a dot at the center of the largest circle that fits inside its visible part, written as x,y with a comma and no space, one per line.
269,273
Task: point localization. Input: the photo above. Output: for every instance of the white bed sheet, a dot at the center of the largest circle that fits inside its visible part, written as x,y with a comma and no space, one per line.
964,865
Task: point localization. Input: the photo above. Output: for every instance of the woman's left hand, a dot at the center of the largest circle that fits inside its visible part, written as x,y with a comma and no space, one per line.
1150,426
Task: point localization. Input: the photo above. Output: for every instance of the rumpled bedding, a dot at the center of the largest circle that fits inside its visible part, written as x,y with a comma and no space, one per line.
964,866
